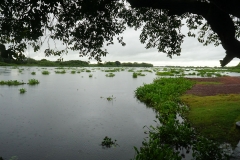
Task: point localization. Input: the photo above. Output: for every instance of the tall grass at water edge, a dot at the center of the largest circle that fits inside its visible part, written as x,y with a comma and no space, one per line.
170,136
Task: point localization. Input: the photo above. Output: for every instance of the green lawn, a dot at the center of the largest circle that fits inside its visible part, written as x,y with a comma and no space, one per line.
215,116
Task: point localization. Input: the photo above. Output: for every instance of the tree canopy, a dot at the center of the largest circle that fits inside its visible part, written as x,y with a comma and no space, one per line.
87,25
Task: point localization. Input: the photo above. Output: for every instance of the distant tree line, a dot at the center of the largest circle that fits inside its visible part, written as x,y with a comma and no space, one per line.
71,63
125,64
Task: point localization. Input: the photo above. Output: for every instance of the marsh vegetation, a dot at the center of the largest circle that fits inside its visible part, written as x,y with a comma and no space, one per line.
74,98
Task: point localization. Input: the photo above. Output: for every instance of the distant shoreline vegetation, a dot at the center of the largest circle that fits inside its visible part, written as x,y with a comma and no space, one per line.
70,63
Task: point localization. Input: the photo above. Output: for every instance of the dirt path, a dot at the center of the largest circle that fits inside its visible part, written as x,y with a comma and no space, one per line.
229,85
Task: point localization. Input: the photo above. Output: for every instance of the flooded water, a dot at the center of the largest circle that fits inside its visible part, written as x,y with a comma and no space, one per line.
67,116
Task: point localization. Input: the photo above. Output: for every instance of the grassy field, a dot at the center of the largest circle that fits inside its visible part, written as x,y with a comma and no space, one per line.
215,116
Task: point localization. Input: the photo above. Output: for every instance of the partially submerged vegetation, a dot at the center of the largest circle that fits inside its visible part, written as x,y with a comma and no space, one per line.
108,142
110,75
45,72
60,72
33,81
170,136
109,98
22,90
11,83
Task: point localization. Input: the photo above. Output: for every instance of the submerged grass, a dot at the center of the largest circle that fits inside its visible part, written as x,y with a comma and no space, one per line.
215,116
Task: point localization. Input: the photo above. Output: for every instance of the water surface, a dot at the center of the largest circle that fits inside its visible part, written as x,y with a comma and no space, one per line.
67,115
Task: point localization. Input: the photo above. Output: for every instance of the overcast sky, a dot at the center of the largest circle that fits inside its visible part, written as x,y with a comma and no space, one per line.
193,53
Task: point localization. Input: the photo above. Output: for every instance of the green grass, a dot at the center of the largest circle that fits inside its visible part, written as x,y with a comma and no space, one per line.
163,95
45,72
134,75
110,75
33,82
164,74
215,116
33,73
11,83
60,72
22,90
140,74
112,70
73,72
90,75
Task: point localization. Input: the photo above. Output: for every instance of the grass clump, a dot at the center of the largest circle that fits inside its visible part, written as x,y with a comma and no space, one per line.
112,70
73,72
60,72
166,140
33,73
110,75
164,74
11,83
215,116
22,90
33,81
140,74
110,98
45,72
108,142
134,75
90,75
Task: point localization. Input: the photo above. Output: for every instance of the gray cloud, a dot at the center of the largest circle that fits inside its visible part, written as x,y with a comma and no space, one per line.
193,53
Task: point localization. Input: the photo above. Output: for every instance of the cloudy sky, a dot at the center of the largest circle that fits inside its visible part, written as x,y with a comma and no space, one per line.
193,53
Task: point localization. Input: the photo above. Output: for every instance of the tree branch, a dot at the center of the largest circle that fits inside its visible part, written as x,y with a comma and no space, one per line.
214,12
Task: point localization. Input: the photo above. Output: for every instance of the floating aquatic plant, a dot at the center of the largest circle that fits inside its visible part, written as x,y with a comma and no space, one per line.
108,142
22,90
33,82
45,72
110,75
11,83
60,72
